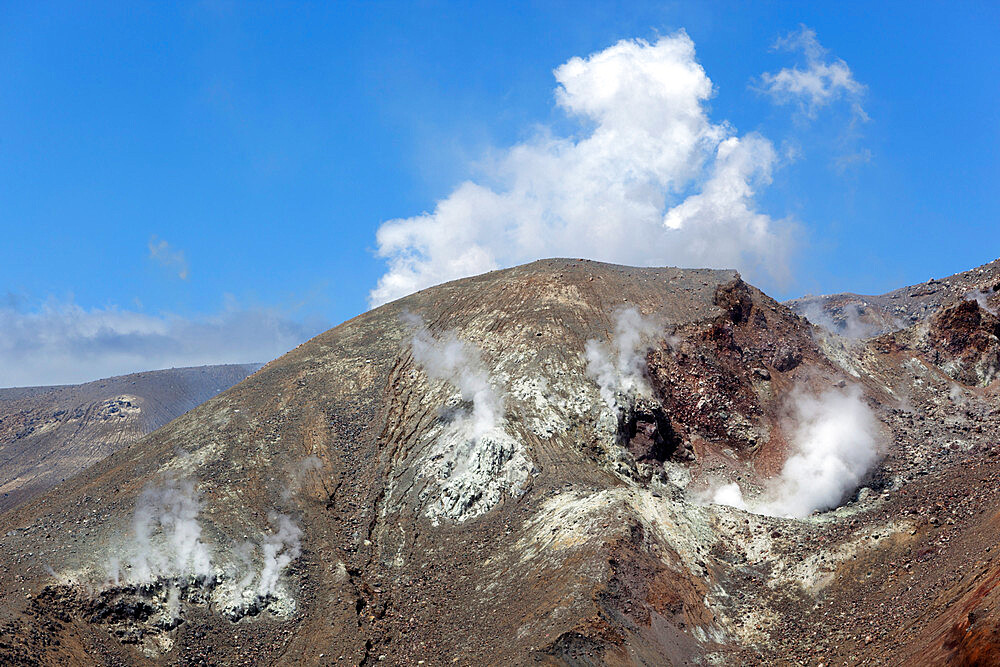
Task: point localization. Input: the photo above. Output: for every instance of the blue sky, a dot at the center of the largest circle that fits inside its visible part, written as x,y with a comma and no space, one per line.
197,182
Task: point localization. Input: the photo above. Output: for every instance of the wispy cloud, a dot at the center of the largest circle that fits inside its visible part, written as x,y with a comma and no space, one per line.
647,179
820,81
848,160
62,343
169,257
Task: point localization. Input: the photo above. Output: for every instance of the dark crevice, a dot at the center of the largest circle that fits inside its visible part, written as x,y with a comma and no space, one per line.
645,430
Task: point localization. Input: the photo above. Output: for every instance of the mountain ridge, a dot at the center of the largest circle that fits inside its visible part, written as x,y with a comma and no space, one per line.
50,433
577,530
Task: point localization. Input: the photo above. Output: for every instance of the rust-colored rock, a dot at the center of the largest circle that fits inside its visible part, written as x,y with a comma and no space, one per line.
604,552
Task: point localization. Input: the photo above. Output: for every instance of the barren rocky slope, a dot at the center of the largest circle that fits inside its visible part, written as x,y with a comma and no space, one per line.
387,493
859,316
50,433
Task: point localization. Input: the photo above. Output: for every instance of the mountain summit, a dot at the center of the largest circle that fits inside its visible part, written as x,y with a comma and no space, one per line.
566,462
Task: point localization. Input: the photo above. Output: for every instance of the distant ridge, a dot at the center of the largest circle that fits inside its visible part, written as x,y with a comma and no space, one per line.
48,434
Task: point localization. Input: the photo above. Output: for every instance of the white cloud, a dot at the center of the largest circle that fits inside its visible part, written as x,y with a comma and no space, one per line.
62,343
822,81
169,257
648,179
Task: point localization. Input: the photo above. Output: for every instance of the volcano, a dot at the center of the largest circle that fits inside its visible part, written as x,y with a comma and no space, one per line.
48,434
565,462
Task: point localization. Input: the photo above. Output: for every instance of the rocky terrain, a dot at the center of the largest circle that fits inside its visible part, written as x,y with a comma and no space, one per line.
48,434
861,316
566,462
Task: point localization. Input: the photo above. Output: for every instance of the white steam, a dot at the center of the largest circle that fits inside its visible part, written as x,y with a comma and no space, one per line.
278,550
167,545
851,324
473,462
242,571
981,297
621,368
167,534
459,363
835,440
297,472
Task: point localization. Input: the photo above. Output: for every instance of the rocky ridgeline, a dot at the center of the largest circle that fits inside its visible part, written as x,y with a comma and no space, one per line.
551,497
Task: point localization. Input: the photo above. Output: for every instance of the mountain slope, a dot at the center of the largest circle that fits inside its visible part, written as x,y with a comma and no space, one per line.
522,475
858,315
50,433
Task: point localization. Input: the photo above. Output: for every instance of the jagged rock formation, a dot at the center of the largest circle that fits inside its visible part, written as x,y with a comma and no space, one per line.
864,316
48,434
573,528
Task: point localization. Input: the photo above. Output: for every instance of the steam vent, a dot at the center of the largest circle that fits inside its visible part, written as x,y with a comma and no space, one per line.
566,463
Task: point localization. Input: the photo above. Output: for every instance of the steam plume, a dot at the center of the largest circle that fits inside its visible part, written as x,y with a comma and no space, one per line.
852,325
167,534
253,586
279,549
242,572
459,363
980,297
835,436
473,461
621,368
296,475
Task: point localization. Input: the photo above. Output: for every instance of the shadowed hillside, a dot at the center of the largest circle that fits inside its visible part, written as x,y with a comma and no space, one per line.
50,433
565,462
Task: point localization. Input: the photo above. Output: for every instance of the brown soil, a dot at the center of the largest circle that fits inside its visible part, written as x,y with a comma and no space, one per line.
603,557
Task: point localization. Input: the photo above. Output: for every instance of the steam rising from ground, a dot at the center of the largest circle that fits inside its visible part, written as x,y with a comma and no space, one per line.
167,534
852,325
621,367
167,546
979,296
278,550
459,363
297,473
836,442
473,462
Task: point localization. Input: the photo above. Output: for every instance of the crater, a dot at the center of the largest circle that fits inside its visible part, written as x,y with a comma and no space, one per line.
644,429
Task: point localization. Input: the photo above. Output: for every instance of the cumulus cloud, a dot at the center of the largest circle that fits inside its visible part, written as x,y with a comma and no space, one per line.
835,439
169,257
62,343
647,179
820,81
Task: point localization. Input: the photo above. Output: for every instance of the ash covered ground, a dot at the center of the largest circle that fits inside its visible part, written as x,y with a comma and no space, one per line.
566,462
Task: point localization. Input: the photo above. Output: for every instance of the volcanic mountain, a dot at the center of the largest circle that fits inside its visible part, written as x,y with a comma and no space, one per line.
565,462
860,316
48,434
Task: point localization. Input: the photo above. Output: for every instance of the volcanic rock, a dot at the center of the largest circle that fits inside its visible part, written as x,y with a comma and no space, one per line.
567,530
